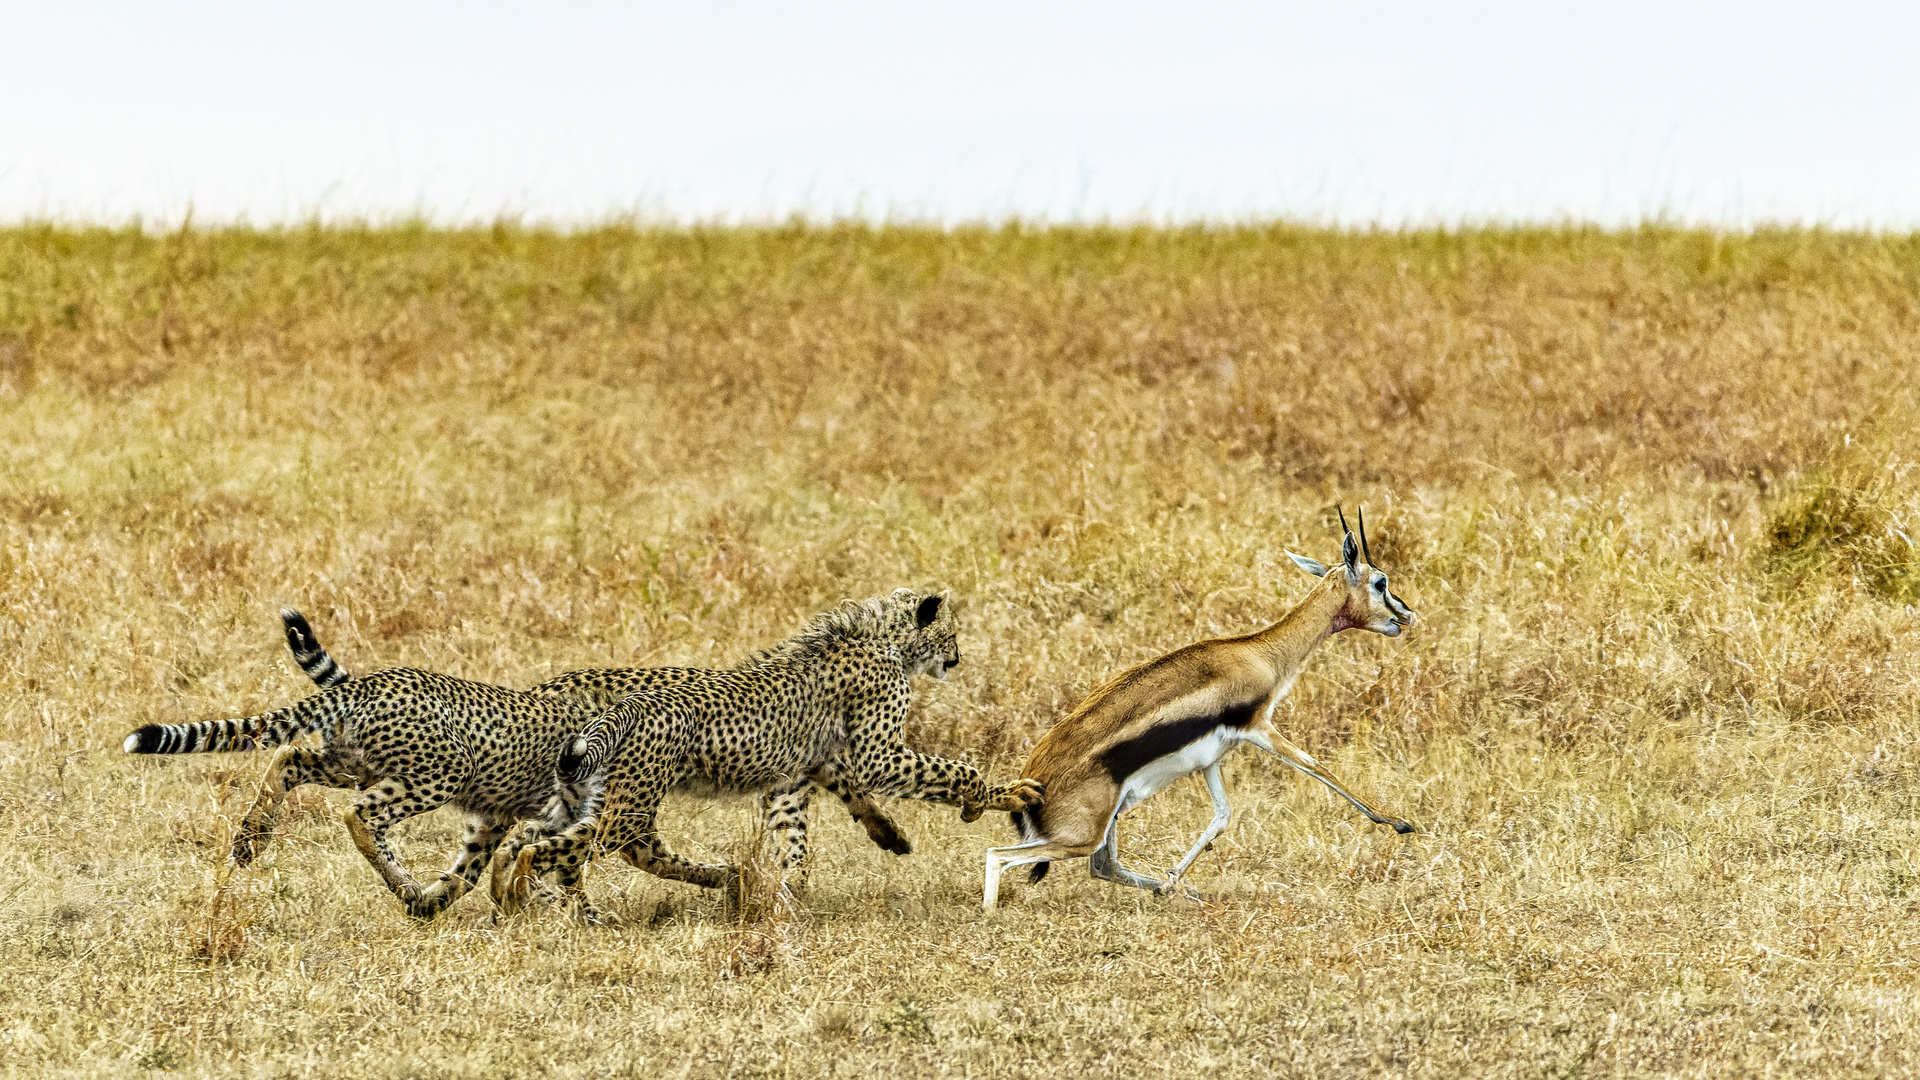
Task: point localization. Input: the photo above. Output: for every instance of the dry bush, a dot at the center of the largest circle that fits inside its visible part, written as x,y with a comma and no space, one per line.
1651,493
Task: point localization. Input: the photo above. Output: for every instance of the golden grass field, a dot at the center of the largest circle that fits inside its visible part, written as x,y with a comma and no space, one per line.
1651,492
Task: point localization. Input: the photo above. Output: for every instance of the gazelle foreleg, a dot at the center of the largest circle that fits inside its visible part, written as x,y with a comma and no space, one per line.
1222,813
1300,759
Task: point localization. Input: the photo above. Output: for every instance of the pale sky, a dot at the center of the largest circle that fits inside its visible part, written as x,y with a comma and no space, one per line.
1382,113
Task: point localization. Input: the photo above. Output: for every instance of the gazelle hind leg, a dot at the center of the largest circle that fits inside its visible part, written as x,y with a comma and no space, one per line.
1104,863
1272,742
1002,859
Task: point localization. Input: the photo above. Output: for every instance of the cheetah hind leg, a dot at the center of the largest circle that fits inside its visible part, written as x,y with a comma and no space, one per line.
457,880
521,863
512,879
291,768
372,814
568,891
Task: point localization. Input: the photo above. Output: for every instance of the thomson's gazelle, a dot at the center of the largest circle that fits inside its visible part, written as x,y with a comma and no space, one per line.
1181,714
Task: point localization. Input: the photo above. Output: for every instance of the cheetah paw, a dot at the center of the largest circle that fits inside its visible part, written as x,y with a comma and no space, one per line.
425,901
1015,798
593,916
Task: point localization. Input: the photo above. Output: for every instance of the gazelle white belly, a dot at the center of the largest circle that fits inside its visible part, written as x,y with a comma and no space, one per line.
1164,770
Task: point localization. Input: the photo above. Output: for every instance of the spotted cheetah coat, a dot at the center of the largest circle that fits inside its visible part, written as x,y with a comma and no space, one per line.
827,705
412,741
784,808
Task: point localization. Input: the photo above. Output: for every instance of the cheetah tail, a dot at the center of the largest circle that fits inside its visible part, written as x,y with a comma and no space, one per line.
572,766
215,736
308,652
602,739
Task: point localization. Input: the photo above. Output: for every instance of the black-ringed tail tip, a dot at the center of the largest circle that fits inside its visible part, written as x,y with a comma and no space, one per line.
147,740
572,757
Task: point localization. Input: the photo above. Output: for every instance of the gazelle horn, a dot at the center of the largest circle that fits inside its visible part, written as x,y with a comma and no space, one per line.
1364,553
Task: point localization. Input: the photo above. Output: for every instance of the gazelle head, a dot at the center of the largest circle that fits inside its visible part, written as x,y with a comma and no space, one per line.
1370,604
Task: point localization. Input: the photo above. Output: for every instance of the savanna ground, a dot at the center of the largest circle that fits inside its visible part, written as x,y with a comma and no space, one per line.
1651,493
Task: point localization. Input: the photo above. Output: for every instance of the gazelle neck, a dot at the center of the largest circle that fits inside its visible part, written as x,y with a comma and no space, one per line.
1314,619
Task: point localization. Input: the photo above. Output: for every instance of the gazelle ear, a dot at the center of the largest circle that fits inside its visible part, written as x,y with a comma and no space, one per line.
1350,553
1311,566
929,610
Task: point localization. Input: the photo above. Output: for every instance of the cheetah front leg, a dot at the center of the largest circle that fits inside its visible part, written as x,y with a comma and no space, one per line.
482,835
784,810
1017,797
899,770
291,768
880,828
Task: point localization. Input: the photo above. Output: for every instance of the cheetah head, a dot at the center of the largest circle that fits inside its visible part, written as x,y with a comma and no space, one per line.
929,644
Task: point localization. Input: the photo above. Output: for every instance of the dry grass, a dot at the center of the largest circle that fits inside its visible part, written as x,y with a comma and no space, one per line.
1653,494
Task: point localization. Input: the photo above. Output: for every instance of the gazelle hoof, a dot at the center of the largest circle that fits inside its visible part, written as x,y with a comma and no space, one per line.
1176,890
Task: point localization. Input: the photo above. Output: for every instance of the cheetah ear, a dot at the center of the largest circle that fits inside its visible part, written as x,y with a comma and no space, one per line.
929,609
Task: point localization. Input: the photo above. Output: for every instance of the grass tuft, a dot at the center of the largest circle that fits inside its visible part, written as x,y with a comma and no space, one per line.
1853,521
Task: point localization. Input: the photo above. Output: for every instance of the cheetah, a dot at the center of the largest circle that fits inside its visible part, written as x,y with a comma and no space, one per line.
411,741
784,809
829,700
